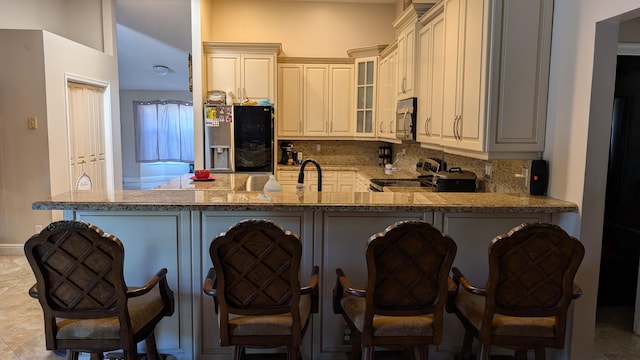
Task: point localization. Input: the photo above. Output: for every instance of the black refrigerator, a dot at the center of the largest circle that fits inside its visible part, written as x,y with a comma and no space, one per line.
253,138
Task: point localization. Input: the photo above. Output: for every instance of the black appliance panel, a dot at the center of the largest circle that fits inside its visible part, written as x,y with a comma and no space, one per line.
253,138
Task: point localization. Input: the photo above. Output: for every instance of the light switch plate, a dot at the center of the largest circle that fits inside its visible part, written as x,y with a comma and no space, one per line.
32,122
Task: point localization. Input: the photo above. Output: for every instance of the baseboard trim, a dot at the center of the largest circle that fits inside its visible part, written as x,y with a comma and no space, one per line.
11,249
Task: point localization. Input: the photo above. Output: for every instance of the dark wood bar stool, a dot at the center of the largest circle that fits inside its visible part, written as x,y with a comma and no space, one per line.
525,301
255,286
408,284
87,305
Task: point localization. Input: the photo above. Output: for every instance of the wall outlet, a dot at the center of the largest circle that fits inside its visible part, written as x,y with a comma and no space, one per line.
38,228
487,170
318,147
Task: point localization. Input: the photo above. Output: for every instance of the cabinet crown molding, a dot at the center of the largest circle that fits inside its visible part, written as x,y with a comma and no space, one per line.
411,14
313,60
214,46
374,50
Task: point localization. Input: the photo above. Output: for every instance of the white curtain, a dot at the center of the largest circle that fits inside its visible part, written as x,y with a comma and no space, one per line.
164,131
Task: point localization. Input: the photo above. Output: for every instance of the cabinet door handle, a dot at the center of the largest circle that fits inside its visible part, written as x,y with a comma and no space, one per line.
427,131
391,126
382,127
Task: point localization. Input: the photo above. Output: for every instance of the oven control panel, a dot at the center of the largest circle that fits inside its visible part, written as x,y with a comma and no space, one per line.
429,166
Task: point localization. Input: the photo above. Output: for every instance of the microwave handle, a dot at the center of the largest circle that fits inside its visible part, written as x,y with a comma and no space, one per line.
404,123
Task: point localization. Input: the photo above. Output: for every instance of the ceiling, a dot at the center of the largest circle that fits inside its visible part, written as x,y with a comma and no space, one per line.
153,32
158,32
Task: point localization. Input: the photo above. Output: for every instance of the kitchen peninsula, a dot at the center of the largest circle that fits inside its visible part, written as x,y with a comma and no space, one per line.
172,226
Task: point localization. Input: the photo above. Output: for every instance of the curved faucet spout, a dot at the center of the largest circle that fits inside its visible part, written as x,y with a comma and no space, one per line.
301,174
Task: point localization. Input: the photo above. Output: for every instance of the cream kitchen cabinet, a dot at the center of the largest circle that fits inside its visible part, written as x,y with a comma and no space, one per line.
290,106
430,81
288,179
406,62
366,91
362,183
406,26
496,69
246,69
388,71
315,100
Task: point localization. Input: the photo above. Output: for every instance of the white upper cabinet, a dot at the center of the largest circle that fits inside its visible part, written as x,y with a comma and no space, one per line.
386,129
246,69
406,26
430,81
290,102
341,100
315,99
495,76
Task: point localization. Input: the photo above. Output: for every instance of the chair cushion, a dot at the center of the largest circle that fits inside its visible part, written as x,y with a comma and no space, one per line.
472,306
142,309
243,325
354,307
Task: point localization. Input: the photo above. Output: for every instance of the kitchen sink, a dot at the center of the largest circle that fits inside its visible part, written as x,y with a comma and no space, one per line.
256,182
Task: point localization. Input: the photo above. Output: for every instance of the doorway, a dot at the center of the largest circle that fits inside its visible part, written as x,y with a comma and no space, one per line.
621,233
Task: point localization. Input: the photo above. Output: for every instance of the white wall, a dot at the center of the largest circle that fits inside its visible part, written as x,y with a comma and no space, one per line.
24,160
78,20
305,28
578,125
33,163
67,58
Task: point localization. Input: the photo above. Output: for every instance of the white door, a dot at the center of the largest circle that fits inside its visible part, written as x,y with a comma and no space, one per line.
86,137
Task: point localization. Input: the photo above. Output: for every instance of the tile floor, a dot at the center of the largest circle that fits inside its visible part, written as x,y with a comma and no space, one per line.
22,335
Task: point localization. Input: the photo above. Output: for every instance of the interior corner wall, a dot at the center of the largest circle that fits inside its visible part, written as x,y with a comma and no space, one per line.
78,20
571,142
305,28
130,168
24,154
64,57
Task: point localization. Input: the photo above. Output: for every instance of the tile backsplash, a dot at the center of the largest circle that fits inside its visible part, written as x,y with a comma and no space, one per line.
507,176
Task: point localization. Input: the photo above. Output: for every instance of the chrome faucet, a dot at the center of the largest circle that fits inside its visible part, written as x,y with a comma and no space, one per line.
301,175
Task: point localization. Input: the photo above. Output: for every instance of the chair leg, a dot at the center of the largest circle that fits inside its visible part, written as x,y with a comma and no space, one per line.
521,354
485,351
293,353
72,355
540,354
356,346
130,354
368,353
467,343
423,352
152,349
237,352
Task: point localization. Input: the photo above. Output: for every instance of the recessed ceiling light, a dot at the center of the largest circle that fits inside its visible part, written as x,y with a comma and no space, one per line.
160,70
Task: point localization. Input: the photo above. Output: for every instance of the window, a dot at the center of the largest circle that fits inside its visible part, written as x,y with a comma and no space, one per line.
163,131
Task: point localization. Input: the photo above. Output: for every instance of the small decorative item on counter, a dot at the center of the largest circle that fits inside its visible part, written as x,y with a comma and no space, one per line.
272,185
202,174
388,168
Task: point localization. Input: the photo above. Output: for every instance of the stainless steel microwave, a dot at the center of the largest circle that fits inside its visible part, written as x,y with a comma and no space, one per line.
406,119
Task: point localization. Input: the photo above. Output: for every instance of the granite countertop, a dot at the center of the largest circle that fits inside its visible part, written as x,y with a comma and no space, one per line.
224,193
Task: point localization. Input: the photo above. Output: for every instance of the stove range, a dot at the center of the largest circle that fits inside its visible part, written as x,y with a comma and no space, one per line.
426,168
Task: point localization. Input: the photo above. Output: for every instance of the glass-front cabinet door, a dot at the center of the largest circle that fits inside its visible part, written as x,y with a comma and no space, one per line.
366,80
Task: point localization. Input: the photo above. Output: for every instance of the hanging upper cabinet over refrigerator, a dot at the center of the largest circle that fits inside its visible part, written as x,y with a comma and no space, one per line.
247,70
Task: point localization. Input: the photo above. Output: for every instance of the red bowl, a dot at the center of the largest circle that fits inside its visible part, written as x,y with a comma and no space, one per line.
202,174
